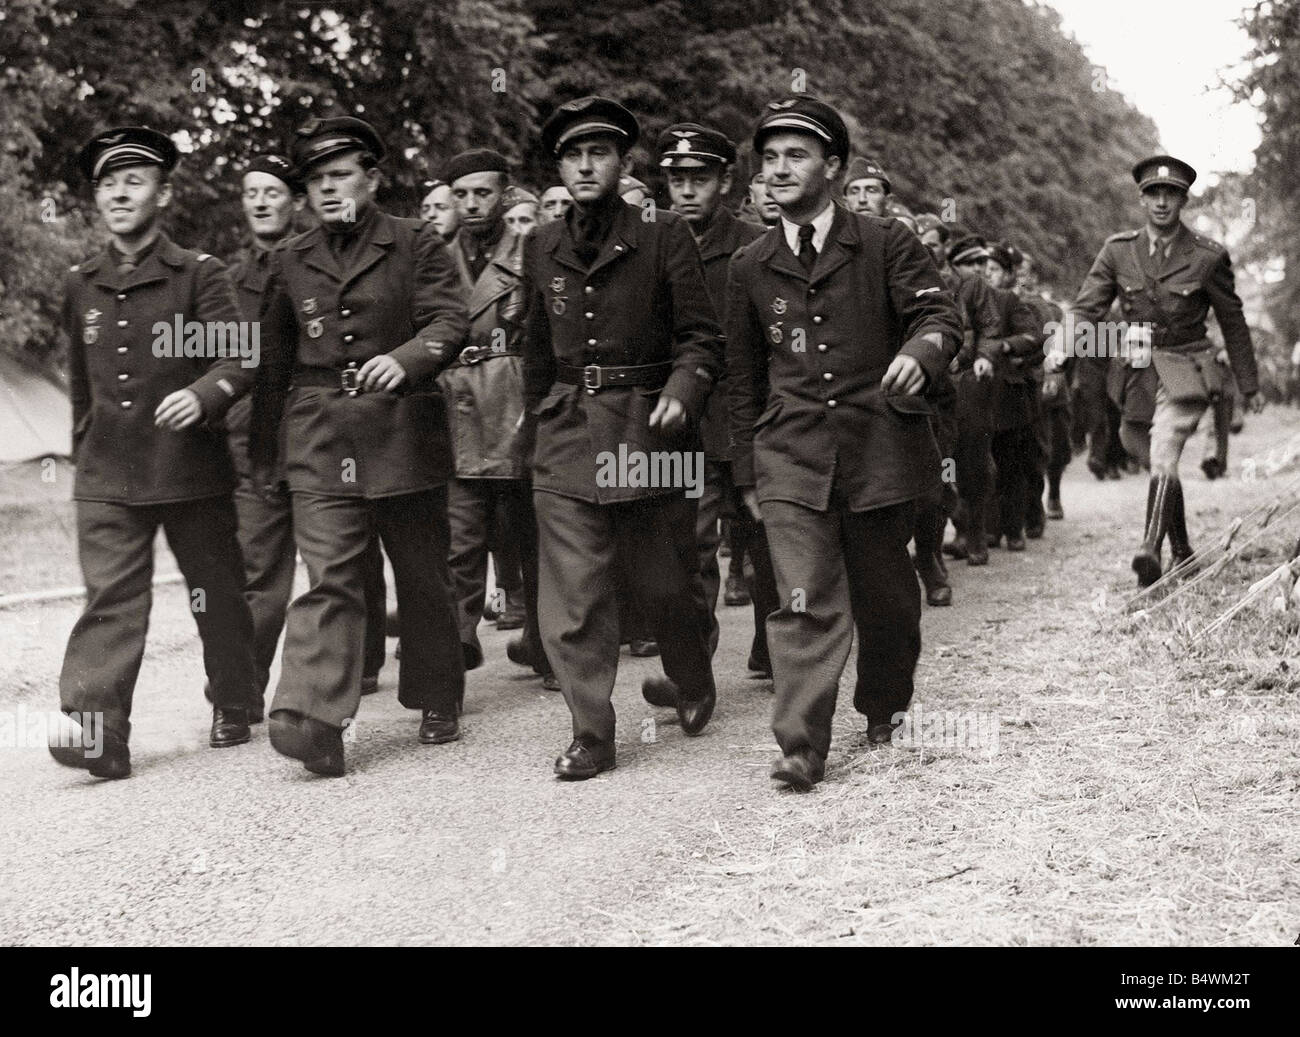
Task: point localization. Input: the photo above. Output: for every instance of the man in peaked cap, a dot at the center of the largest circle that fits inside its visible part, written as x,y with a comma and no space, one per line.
866,187
816,367
1167,279
364,311
149,452
621,352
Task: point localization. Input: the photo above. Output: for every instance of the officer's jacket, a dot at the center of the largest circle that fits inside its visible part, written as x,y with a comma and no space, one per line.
485,387
717,244
806,354
250,272
979,318
643,301
1174,294
117,377
1015,349
402,296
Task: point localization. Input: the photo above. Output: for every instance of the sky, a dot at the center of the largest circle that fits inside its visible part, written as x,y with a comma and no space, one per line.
1163,56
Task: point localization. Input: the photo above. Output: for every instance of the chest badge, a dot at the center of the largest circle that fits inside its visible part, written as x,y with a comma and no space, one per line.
315,328
558,306
93,315
557,285
90,334
779,306
774,330
309,306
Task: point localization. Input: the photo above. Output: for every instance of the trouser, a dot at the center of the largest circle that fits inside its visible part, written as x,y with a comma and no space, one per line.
503,542
973,449
1036,476
320,674
1096,408
106,647
580,546
721,498
837,571
266,542
1013,452
1220,427
1135,436
1059,449
473,507
1173,425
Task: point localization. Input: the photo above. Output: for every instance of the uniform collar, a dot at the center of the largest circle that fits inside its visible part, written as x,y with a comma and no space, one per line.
821,224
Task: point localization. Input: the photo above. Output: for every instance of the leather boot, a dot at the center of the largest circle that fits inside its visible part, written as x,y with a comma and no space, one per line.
976,539
1146,563
1180,546
937,590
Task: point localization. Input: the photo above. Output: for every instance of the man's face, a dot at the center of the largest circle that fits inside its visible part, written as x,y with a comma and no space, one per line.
697,193
478,198
933,240
996,274
522,218
339,189
866,196
797,171
439,208
768,210
556,202
1027,277
972,268
131,199
590,168
1163,204
268,205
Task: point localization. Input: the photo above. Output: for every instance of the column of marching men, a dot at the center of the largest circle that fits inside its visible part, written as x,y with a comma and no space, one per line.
854,378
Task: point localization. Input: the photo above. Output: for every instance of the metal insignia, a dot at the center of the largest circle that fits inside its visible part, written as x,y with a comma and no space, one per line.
93,315
315,328
557,285
775,331
778,306
309,306
558,307
90,335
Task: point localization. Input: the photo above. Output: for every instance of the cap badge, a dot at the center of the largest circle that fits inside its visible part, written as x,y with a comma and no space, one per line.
683,145
1162,171
777,106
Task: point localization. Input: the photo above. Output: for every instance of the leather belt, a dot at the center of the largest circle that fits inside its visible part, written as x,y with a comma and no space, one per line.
342,378
593,377
475,354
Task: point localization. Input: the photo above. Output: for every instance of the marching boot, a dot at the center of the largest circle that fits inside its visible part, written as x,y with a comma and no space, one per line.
927,533
976,539
1180,546
956,547
1146,563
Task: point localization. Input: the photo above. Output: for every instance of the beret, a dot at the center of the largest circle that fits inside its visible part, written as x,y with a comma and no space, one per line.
476,160
277,166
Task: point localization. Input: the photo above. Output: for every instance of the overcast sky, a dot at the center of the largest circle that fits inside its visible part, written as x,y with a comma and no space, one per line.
1164,56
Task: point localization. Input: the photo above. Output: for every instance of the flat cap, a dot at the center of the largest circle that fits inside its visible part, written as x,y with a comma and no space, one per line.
476,160
1006,256
1163,169
126,146
803,114
968,249
586,116
277,166
866,169
688,145
319,139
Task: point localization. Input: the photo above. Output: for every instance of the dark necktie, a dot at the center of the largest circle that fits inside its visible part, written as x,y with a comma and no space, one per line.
807,252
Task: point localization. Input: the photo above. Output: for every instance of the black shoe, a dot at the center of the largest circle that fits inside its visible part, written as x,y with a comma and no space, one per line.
761,665
660,691
695,713
993,540
582,761
1054,510
1146,563
318,745
1099,470
937,589
229,727
1034,532
1211,467
514,615
1112,473
256,710
519,652
1015,543
644,649
473,656
490,615
735,592
880,734
550,682
370,685
800,770
955,548
437,728
980,557
68,746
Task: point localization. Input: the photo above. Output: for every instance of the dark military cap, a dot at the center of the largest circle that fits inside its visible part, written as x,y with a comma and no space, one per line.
277,166
126,146
319,139
968,249
866,169
804,114
1006,256
1163,169
688,145
476,160
586,116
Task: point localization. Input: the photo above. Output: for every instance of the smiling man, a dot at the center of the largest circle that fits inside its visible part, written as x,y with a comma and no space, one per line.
837,325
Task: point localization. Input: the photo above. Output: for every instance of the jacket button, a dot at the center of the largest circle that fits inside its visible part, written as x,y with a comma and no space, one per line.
591,341
830,403
822,347
121,296
348,338
828,376
589,315
126,404
122,377
817,319
589,290
121,324
345,313
121,349
812,291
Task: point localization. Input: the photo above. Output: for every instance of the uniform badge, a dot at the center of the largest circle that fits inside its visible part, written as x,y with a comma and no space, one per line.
775,331
558,306
778,306
315,328
90,334
557,285
93,315
309,306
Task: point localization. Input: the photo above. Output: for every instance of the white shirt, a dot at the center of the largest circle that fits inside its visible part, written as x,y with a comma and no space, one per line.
821,224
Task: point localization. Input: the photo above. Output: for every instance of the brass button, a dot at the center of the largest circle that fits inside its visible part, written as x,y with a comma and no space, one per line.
121,296
122,377
121,349
828,376
591,341
822,347
348,338
126,404
589,290
345,312
589,315
830,403
817,319
121,324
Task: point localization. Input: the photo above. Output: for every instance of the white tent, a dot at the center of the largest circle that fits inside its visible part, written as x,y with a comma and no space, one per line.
35,415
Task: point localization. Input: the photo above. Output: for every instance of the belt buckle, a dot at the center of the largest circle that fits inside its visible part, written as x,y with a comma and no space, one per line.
349,378
470,355
591,378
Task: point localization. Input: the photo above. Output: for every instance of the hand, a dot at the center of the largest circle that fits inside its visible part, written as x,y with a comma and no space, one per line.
983,367
669,415
905,376
750,496
178,410
381,372
1255,403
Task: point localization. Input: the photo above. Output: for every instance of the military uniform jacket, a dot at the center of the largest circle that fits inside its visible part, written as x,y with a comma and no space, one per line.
402,296
117,379
250,272
643,301
806,355
1016,349
720,240
979,317
485,397
1174,293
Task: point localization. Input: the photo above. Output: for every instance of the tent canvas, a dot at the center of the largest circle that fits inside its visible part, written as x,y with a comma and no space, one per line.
35,415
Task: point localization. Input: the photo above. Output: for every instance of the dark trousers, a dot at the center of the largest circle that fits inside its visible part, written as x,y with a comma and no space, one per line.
1059,451
1095,409
324,640
106,647
1013,453
580,547
503,542
837,571
722,498
1036,476
473,506
267,544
